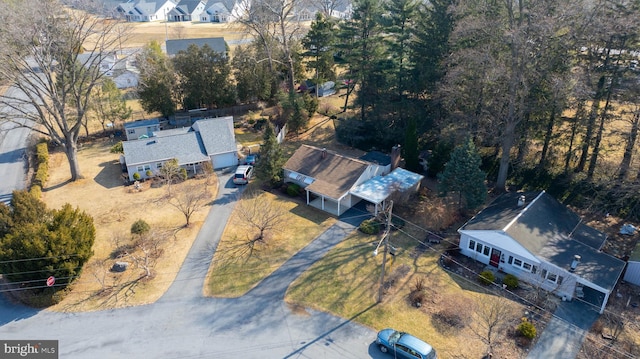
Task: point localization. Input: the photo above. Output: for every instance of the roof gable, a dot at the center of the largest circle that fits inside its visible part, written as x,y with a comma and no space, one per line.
334,174
217,134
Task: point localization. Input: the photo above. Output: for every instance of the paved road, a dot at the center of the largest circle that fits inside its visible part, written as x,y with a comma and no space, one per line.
13,143
184,324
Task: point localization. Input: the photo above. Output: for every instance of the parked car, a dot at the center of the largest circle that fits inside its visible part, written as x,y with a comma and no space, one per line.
250,160
403,345
243,174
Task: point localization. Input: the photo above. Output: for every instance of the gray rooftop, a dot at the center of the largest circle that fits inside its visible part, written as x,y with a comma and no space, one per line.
189,145
142,123
185,7
217,134
550,230
216,43
186,148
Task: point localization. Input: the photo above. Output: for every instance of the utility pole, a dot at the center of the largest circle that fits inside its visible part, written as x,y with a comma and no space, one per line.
385,240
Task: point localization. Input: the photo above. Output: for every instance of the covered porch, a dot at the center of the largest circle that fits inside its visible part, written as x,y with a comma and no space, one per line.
329,205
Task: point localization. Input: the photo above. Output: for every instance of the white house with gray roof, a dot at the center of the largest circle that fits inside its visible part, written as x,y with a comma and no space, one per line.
145,10
187,10
222,11
534,237
206,140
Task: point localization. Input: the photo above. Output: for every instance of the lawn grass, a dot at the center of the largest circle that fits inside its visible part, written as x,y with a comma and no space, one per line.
346,282
233,271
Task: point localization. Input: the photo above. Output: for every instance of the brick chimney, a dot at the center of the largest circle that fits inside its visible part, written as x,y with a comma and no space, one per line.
395,157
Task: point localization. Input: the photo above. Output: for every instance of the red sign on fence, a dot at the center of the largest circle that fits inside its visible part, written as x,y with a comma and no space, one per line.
51,281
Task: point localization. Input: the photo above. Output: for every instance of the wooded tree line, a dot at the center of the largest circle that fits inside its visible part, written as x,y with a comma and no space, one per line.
547,90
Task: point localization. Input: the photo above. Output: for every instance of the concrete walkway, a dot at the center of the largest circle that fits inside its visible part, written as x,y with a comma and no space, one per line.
565,332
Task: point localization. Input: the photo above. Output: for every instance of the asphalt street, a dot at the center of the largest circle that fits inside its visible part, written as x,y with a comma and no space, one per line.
13,140
185,324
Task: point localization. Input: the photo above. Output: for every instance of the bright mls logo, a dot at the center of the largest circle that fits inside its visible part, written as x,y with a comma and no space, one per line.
36,349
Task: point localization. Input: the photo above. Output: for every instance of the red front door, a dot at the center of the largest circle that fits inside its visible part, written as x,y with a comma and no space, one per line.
495,257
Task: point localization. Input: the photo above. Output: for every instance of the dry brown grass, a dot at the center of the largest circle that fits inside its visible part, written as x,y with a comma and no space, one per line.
114,208
235,269
143,33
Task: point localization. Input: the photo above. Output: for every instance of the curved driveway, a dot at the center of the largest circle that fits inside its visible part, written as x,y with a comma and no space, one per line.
184,324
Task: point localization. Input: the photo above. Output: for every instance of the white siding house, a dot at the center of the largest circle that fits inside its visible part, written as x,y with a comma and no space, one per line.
210,139
540,241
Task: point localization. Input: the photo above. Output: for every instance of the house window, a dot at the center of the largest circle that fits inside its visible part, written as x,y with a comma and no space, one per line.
517,262
553,278
510,260
522,265
139,169
472,244
131,132
479,248
486,251
147,167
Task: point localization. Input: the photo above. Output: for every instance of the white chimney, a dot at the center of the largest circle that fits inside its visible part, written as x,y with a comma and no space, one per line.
521,201
574,263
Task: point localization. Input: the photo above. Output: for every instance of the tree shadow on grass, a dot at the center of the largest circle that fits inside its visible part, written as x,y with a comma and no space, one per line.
110,175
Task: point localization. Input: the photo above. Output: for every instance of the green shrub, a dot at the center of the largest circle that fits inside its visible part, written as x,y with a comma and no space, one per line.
293,190
36,191
117,148
527,329
486,277
183,173
136,176
42,152
251,121
370,226
511,281
149,173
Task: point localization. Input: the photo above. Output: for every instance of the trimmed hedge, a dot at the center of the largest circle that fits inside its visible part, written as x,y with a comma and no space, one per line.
486,277
511,281
42,169
370,226
293,190
527,329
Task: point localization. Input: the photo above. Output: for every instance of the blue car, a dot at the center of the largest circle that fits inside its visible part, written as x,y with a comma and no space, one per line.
250,160
403,345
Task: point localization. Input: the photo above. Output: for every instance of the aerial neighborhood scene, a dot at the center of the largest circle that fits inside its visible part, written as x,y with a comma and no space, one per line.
320,179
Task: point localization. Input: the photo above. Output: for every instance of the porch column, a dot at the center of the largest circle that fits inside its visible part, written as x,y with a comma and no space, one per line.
604,303
307,197
339,207
323,203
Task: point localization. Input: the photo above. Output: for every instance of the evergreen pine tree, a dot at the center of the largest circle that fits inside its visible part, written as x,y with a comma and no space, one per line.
269,167
411,153
462,174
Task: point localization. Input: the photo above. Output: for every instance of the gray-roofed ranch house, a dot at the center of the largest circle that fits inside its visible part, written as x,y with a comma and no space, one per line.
534,237
206,140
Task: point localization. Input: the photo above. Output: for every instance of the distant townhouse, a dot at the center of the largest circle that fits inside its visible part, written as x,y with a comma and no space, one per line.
145,10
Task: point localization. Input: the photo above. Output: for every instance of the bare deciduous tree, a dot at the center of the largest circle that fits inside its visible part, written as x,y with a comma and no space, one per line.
190,199
261,215
492,315
53,57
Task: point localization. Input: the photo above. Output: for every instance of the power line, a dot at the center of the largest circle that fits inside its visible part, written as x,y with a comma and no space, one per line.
499,292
